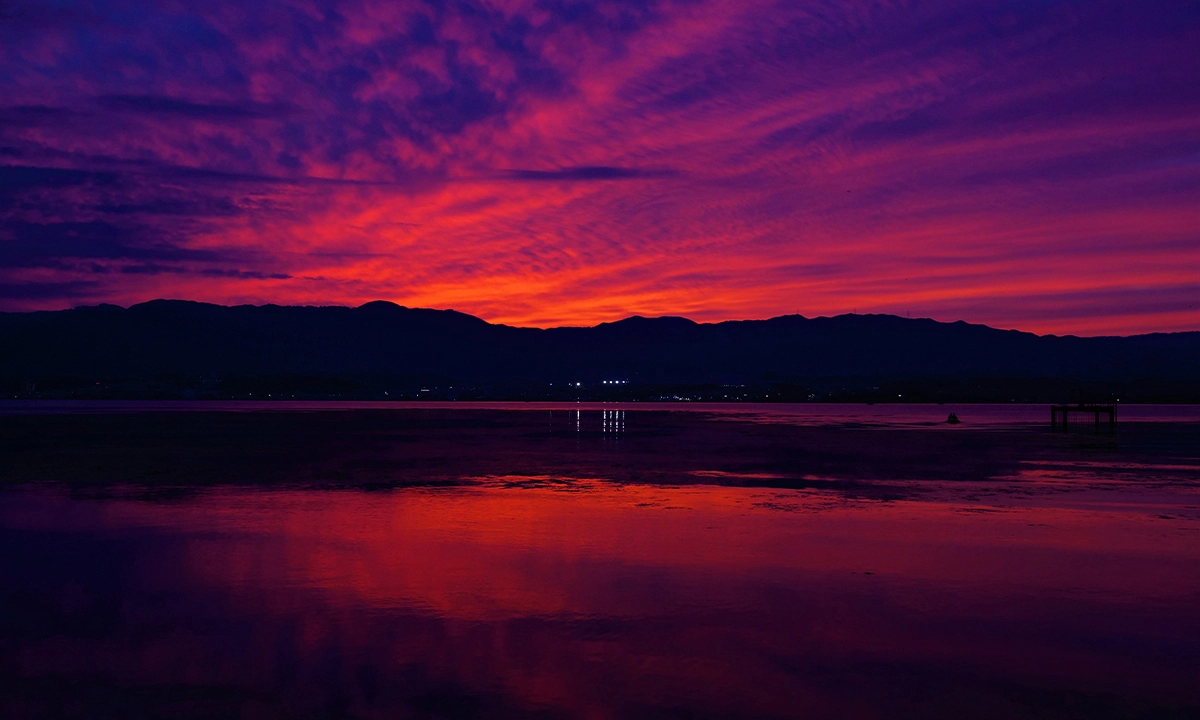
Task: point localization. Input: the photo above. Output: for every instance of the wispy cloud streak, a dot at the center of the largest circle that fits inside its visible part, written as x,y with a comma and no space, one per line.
1032,165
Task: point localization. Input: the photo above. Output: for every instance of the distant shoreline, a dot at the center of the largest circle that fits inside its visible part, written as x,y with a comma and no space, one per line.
174,350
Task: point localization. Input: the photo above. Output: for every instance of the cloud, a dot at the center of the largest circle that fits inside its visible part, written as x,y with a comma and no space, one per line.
45,244
15,179
202,207
33,115
947,157
47,291
243,274
158,269
595,172
174,107
152,269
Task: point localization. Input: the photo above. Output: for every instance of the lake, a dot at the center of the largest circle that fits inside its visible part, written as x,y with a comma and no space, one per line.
596,561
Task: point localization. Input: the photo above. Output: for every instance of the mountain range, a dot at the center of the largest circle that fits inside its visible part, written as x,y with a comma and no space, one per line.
173,348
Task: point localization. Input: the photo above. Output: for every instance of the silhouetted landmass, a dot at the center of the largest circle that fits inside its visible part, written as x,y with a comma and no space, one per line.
381,350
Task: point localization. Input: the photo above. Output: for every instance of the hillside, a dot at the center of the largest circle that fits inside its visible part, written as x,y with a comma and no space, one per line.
178,348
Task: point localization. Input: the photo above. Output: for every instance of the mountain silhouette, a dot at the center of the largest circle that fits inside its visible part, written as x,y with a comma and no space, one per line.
172,347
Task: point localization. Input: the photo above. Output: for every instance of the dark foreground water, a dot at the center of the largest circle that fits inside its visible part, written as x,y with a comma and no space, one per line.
597,562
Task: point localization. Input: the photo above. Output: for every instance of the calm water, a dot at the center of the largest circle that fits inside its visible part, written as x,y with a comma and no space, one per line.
638,565
806,413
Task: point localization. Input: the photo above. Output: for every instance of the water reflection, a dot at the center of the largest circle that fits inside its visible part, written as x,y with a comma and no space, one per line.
611,422
594,600
893,414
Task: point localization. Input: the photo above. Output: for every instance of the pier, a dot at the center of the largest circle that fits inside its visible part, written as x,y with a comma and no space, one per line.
1096,410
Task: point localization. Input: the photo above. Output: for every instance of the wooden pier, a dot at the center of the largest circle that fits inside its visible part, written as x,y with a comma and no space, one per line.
1096,410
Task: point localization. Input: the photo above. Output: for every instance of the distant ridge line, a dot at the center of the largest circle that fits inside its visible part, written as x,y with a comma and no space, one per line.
379,304
172,347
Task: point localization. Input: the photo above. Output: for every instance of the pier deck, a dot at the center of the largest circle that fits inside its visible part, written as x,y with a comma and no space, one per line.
1094,409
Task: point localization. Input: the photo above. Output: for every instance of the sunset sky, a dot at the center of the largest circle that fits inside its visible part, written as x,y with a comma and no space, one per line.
1031,164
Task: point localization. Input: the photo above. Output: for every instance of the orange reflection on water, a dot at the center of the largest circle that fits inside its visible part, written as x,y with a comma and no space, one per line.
600,600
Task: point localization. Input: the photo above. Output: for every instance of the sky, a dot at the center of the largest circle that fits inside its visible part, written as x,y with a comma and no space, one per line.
1031,164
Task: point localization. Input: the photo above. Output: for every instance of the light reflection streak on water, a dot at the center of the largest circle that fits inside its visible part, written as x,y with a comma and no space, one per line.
613,421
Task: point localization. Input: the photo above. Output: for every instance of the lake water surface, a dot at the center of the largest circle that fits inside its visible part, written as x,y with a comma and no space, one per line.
597,562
